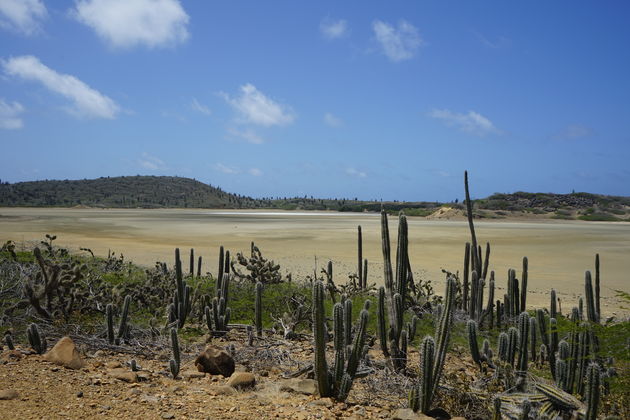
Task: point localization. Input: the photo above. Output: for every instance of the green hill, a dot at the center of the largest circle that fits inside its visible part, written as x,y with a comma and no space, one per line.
124,191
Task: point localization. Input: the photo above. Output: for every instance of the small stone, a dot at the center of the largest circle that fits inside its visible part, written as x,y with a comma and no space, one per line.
65,353
151,399
79,394
215,361
322,402
302,386
192,374
242,380
123,375
168,416
8,394
408,414
222,390
113,365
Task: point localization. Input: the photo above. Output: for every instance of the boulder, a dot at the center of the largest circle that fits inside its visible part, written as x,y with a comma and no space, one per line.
66,354
215,361
242,380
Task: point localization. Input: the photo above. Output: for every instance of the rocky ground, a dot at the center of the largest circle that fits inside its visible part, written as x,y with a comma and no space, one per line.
102,385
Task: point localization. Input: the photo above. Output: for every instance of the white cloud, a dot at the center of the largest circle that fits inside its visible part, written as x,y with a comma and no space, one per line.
356,173
248,135
230,170
9,115
471,122
400,43
128,23
332,121
150,162
573,131
333,29
85,100
23,16
256,108
255,172
195,105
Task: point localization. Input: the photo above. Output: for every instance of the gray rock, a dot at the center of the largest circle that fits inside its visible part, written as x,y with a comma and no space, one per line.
215,361
8,394
242,380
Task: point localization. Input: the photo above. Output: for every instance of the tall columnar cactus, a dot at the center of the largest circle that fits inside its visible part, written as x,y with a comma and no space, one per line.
583,361
221,263
382,327
319,333
465,285
590,299
502,347
486,261
175,362
553,331
476,257
347,322
443,331
553,308
220,311
191,268
512,345
36,341
395,288
337,383
574,349
8,339
471,327
360,258
122,327
592,391
533,345
258,309
597,298
109,314
426,384
180,307
199,259
562,374
524,284
523,332
542,327
490,307
412,327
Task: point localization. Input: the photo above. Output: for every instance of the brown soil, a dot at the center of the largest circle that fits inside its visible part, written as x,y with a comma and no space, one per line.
48,391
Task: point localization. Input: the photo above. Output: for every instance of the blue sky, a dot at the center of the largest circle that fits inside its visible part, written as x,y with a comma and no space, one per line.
389,100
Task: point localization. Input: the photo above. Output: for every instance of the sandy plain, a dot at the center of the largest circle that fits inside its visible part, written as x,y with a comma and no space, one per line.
559,252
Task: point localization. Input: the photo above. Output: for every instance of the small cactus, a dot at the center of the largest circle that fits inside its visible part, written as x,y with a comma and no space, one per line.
35,339
471,327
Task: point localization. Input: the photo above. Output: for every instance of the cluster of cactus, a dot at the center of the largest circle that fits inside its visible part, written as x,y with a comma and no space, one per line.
175,362
35,339
260,269
123,327
219,314
394,336
362,264
337,382
433,355
52,290
179,308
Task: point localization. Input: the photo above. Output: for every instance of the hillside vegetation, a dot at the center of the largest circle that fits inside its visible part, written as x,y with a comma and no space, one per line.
179,192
